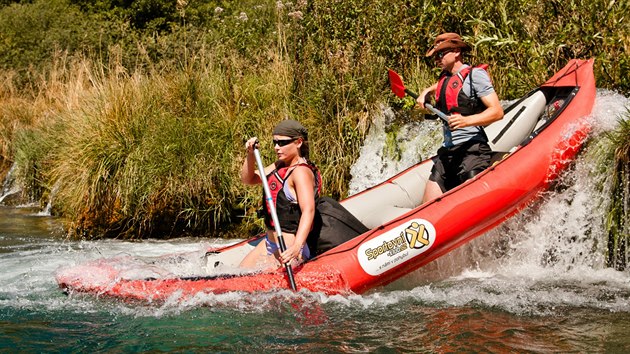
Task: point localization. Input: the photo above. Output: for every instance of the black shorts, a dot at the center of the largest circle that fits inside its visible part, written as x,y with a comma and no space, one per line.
454,165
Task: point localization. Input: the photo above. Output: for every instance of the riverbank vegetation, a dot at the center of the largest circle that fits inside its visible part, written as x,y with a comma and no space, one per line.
611,155
131,116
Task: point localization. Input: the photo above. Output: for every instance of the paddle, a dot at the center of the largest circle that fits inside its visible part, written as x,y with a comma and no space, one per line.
398,87
274,215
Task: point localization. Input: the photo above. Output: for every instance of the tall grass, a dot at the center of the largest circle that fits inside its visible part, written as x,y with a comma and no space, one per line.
155,154
612,156
25,112
157,151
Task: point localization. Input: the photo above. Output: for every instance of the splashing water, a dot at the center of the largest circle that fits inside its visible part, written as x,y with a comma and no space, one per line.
536,260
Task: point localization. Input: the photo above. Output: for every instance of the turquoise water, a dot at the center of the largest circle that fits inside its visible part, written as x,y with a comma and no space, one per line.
536,284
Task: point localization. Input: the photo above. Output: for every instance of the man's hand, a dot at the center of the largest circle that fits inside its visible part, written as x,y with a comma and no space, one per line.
456,121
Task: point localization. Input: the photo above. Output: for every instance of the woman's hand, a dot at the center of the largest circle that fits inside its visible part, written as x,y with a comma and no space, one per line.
292,252
249,175
250,144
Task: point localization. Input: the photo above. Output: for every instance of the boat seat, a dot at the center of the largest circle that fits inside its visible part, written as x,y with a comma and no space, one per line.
414,181
386,194
517,124
367,205
381,215
385,202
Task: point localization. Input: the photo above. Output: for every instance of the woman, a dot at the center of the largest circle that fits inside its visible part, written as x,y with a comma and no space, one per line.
294,183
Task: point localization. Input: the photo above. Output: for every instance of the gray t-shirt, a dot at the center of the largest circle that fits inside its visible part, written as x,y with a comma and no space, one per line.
482,85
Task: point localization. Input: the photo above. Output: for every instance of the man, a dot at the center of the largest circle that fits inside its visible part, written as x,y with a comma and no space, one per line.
466,95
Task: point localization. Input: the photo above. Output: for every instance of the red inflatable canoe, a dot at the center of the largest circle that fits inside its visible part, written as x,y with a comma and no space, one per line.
537,139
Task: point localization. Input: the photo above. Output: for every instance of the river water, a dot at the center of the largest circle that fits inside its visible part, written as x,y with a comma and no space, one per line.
538,284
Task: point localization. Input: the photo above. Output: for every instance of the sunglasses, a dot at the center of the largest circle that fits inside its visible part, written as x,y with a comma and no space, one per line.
440,55
283,142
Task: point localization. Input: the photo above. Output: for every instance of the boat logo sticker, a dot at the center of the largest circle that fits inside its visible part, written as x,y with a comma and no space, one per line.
396,246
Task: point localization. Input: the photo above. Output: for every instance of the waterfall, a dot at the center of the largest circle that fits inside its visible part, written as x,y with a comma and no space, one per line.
47,211
9,185
392,146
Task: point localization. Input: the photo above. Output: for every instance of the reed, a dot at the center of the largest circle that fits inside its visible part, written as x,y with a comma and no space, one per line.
611,156
617,221
153,154
157,152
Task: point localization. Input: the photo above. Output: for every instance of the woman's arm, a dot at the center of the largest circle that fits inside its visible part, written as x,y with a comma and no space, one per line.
249,170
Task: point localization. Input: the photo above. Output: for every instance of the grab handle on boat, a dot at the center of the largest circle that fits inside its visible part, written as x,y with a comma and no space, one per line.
274,215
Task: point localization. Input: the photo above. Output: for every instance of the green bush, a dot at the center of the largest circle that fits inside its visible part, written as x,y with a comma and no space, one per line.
30,34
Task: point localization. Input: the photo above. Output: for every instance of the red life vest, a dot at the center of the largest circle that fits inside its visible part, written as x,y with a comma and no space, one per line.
288,212
450,97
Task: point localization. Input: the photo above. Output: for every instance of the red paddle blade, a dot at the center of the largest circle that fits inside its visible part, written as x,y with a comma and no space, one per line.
396,83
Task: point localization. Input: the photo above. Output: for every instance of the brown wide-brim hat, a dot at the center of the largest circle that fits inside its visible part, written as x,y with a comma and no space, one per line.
448,41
